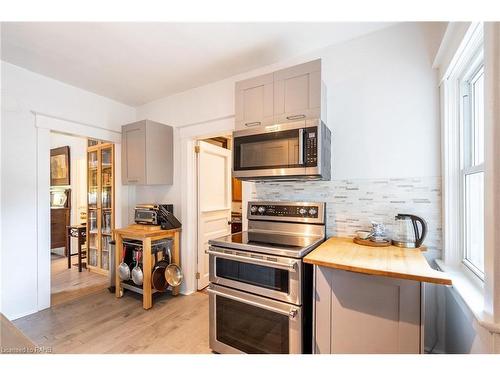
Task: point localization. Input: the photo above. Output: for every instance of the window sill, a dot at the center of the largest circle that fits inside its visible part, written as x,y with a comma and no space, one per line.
471,294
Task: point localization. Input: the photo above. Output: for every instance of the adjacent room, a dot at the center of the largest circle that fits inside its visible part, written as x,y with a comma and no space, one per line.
69,211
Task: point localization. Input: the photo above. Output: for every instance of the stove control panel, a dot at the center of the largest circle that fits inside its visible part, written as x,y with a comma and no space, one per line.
286,211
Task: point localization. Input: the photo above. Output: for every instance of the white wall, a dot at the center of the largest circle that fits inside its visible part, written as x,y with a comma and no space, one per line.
382,104
382,109
23,92
464,334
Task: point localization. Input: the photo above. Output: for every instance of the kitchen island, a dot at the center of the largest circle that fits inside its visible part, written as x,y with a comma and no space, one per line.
369,299
146,234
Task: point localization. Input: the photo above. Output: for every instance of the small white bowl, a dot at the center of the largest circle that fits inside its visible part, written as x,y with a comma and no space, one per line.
363,234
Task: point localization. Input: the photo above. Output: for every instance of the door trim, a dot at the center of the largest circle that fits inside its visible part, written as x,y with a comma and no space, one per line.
45,124
196,152
186,136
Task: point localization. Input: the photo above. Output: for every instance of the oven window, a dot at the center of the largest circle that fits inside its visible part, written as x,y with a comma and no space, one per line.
253,274
266,151
251,329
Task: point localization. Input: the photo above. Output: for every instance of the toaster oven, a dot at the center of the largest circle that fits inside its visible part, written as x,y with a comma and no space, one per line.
149,213
156,214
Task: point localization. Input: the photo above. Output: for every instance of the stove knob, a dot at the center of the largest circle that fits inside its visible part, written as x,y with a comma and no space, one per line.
253,209
302,211
262,209
312,211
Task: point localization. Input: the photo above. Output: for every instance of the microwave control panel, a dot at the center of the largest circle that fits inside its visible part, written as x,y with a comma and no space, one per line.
311,147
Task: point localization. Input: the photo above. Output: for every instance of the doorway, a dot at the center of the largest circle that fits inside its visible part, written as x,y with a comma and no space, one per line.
219,198
81,215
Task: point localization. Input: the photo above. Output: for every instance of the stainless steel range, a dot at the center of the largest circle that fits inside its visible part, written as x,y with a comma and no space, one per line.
260,290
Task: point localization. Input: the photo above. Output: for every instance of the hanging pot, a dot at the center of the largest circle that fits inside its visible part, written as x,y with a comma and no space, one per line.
173,275
123,268
137,275
158,280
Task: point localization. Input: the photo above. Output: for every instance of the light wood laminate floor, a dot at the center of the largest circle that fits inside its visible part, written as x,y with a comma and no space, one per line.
69,284
101,323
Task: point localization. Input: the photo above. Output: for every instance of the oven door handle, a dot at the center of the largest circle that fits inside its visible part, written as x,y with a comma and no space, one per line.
291,312
262,262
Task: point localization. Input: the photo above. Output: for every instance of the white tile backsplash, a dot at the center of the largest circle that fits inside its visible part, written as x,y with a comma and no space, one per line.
351,205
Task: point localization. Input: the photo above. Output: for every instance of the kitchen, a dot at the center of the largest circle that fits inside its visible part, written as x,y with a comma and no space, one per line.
327,143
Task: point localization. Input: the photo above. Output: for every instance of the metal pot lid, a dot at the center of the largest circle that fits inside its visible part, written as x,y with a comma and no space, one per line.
173,275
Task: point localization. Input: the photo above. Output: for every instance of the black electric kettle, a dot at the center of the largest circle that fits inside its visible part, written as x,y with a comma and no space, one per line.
407,232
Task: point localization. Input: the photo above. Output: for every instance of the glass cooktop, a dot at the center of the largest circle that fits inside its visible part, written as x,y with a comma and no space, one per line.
270,243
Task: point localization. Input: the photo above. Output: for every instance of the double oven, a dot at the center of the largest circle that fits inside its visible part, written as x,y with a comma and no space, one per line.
260,289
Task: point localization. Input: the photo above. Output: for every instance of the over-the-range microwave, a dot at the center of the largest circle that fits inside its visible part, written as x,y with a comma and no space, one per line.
299,150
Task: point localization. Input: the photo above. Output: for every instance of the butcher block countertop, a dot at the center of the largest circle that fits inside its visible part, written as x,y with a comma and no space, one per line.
391,261
144,231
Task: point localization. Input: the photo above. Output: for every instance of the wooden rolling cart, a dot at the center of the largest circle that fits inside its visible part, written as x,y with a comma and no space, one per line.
100,205
146,234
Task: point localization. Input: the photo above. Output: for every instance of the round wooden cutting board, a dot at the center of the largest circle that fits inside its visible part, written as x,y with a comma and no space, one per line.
360,241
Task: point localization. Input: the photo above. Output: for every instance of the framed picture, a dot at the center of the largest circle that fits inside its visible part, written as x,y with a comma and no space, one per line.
59,166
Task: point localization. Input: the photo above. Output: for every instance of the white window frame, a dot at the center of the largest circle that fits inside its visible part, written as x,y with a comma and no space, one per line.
481,298
468,55
467,166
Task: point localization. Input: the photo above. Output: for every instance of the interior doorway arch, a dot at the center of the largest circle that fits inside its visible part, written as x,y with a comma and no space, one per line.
45,124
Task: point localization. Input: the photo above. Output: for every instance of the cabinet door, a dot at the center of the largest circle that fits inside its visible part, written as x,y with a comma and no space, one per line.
364,314
379,315
237,190
254,102
134,154
297,92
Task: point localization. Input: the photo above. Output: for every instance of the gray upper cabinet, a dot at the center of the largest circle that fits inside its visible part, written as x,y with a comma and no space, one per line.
254,102
286,95
147,153
297,92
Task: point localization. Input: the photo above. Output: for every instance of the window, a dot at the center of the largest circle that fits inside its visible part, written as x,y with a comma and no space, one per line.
472,164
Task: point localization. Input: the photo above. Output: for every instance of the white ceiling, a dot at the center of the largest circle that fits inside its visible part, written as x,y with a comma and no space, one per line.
136,63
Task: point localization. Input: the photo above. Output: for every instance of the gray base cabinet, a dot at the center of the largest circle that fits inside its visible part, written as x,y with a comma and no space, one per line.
147,153
364,314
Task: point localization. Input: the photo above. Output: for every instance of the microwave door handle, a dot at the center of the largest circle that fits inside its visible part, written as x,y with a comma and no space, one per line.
301,146
291,313
262,262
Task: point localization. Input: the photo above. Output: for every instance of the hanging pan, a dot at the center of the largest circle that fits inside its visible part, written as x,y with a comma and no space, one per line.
123,268
173,275
137,275
158,280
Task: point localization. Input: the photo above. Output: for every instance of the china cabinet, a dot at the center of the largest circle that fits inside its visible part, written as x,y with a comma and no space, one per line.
101,205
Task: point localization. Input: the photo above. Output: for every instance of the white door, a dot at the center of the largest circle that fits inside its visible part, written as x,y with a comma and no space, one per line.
214,201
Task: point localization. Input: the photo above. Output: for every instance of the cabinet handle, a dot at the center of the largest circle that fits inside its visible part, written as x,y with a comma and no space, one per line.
256,123
295,117
133,180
